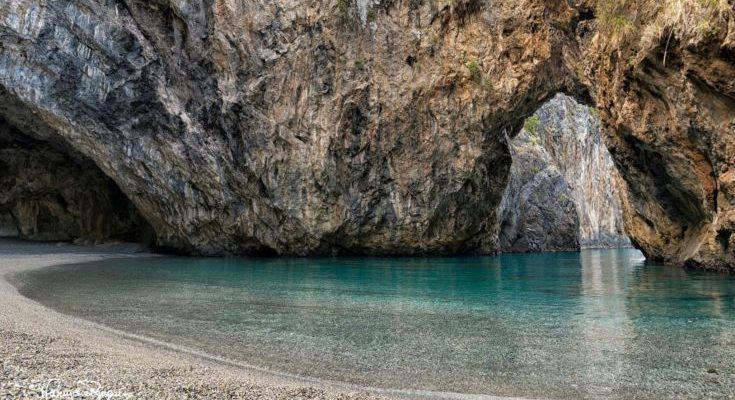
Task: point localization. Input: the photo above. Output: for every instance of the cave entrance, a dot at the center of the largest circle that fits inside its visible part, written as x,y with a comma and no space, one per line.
48,192
564,191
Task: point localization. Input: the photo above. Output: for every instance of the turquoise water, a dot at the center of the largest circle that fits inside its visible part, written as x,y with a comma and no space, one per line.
596,324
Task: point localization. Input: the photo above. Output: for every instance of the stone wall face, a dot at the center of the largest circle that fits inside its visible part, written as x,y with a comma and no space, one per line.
47,195
372,127
289,127
564,191
538,211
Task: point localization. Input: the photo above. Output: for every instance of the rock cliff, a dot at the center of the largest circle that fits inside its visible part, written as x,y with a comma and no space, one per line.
663,75
563,191
305,127
537,211
47,195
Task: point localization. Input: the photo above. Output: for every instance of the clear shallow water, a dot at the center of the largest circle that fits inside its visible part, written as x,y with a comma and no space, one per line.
598,324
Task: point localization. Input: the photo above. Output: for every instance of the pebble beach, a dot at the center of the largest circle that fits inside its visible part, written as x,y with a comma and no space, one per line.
46,354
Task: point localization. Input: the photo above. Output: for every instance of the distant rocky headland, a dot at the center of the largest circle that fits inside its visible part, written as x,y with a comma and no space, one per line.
370,127
563,191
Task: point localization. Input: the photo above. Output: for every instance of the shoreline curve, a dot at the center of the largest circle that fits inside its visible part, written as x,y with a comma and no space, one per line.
126,365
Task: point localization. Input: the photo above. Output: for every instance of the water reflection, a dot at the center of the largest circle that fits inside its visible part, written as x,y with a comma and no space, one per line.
606,328
595,324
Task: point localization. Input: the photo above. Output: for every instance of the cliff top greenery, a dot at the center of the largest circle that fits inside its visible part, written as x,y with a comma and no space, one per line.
654,21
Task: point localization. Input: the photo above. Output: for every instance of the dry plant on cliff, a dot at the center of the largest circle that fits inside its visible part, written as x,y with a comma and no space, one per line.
655,21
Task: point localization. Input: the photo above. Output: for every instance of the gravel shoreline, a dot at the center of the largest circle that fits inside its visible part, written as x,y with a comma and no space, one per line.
46,354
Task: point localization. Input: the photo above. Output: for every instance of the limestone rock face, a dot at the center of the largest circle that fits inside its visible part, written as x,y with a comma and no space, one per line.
45,195
664,82
564,180
570,133
310,126
8,226
295,127
538,212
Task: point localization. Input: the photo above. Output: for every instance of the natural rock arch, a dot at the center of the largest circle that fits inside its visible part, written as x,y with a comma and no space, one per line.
306,128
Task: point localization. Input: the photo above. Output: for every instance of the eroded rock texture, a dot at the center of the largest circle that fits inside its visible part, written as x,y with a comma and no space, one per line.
46,194
290,126
537,210
303,127
563,191
664,79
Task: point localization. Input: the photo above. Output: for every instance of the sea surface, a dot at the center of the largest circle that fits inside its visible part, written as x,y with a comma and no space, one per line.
595,324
